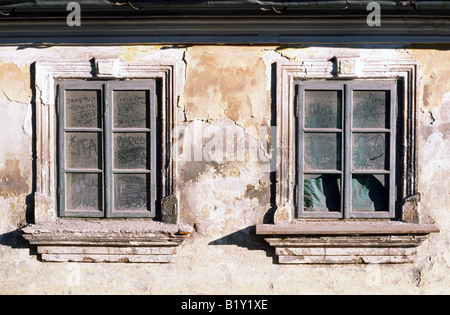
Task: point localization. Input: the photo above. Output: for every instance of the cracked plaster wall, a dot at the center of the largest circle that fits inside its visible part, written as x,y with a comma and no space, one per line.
226,91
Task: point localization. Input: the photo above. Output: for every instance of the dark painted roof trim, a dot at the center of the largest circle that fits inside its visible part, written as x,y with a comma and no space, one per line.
93,8
270,30
184,22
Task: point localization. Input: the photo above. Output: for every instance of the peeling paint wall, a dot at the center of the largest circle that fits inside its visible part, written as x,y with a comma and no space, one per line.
435,162
227,82
225,91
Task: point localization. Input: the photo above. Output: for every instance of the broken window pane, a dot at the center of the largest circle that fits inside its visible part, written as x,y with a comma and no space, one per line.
370,151
83,150
323,109
322,193
371,109
130,109
322,151
131,192
83,109
131,151
84,192
370,193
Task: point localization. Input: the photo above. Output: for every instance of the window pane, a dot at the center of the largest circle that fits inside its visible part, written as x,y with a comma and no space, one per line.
130,109
370,193
322,193
130,192
370,151
130,151
82,109
83,150
84,192
371,109
323,109
322,151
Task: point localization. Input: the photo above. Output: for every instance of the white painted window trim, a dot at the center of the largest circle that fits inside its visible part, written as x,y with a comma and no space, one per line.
90,240
345,67
46,73
303,241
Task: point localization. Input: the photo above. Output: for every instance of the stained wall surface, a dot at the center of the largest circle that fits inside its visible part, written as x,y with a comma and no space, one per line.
223,193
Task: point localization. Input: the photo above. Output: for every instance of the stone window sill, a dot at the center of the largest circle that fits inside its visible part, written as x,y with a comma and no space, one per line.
107,241
345,242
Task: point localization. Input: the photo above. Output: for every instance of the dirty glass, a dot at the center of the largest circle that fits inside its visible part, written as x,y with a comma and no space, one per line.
107,148
131,150
131,109
83,150
371,109
370,151
370,192
85,192
346,146
323,109
130,192
83,109
322,151
322,193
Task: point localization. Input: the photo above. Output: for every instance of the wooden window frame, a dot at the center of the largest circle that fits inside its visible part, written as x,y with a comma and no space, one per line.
347,131
138,240
402,70
361,240
107,131
169,78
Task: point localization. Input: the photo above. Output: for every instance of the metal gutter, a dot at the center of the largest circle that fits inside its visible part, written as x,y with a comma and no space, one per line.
100,7
184,22
186,31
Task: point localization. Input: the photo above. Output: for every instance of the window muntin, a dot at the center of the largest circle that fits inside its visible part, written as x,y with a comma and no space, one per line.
346,135
107,149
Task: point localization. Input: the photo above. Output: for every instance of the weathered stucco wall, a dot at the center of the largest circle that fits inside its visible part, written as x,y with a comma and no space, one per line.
223,193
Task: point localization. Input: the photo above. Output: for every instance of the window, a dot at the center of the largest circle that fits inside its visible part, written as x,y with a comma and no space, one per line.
346,149
346,143
107,149
103,150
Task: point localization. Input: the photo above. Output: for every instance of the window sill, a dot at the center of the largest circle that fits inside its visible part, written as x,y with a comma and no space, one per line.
107,241
345,242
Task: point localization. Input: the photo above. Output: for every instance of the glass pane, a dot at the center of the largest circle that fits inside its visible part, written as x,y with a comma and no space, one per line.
370,151
370,193
323,109
83,109
131,192
130,151
130,109
371,109
322,193
84,192
83,150
322,151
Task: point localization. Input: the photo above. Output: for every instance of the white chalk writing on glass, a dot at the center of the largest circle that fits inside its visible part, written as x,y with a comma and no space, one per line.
130,109
82,109
130,151
84,191
83,150
131,192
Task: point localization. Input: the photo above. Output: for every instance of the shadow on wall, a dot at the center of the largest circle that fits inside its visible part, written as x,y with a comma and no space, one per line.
14,239
246,238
